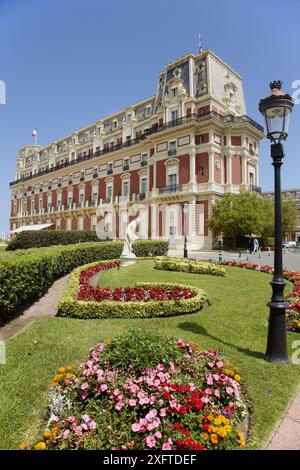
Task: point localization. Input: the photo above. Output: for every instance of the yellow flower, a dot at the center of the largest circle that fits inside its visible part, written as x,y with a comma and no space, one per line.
210,418
214,439
237,377
61,370
229,372
106,340
70,367
23,445
204,436
40,446
47,435
228,428
222,432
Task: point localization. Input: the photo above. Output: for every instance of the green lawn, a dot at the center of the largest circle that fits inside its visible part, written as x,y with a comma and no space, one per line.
235,324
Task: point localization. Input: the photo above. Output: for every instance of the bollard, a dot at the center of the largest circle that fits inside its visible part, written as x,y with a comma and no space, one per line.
269,251
240,254
220,256
247,255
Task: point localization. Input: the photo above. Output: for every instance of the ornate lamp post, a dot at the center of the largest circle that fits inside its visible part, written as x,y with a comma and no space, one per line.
276,109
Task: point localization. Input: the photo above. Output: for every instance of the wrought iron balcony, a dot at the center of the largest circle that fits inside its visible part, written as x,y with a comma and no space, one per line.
172,152
126,167
144,162
110,171
140,196
107,200
152,130
174,188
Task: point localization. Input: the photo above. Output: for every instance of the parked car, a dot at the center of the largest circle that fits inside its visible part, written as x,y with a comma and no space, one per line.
288,244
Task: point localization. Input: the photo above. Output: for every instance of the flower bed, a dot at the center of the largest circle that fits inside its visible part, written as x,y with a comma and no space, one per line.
293,297
188,266
82,300
144,391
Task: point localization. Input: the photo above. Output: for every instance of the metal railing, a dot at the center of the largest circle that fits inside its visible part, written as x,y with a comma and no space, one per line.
174,188
152,130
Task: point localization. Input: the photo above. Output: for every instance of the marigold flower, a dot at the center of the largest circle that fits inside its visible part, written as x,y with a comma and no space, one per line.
61,370
204,436
222,432
237,377
47,435
214,439
40,446
23,445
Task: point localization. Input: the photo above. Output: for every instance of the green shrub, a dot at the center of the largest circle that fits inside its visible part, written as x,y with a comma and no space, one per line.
188,266
69,306
140,350
27,275
143,248
36,239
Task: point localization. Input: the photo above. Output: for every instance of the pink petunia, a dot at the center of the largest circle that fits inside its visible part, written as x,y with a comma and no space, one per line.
135,427
150,441
119,406
132,402
166,446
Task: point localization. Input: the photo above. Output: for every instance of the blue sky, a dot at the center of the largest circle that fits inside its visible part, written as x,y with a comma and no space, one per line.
67,63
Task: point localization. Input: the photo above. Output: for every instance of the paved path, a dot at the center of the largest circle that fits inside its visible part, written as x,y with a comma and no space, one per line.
286,435
45,306
290,260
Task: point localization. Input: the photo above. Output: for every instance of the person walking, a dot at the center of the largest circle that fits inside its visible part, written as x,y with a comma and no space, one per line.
255,246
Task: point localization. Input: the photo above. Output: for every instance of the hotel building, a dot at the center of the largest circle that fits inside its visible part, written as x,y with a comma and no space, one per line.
169,157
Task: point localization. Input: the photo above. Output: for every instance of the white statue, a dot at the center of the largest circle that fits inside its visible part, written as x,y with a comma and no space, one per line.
130,237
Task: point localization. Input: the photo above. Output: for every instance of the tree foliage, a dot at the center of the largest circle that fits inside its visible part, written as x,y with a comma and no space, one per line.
238,215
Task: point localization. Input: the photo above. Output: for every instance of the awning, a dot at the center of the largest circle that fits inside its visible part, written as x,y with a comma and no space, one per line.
26,228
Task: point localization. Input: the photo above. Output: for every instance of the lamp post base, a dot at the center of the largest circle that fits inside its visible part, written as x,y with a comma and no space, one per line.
277,339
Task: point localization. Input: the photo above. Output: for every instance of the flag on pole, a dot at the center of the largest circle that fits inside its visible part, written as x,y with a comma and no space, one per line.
34,134
200,44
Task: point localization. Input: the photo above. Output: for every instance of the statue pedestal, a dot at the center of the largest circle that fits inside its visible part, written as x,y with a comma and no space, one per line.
126,260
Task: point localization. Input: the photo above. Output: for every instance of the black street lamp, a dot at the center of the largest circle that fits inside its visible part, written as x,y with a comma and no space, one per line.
276,109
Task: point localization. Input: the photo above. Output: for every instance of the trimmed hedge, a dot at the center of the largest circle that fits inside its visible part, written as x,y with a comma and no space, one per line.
147,248
26,275
189,266
69,306
36,239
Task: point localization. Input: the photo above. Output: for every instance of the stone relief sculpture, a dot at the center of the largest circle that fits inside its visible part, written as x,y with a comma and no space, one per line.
200,80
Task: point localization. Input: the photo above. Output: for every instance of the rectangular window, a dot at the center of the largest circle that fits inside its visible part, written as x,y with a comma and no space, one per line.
174,91
109,169
172,180
144,184
172,148
125,188
126,164
81,196
109,191
201,171
251,179
174,115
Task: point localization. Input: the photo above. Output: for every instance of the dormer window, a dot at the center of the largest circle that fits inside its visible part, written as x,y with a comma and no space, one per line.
128,117
115,124
174,91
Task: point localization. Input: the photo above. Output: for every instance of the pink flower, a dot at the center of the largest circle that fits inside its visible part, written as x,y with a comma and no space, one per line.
66,433
132,402
103,387
86,418
229,390
150,441
162,412
144,401
160,367
92,425
84,386
181,343
84,427
166,446
208,391
223,378
135,427
219,364
209,379
119,406
217,393
157,435
78,431
72,419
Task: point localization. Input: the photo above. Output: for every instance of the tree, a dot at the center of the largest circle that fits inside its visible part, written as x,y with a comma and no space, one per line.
238,215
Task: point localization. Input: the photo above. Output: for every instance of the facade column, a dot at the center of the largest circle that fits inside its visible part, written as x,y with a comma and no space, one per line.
192,232
193,166
244,169
211,167
154,222
229,168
